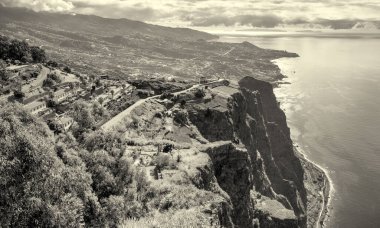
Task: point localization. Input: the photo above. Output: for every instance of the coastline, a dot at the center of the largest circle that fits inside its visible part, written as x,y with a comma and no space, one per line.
320,188
318,182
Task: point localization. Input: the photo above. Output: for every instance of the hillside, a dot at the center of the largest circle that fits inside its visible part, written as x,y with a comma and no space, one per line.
128,49
96,25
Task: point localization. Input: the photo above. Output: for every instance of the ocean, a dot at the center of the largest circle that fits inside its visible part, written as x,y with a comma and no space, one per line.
332,106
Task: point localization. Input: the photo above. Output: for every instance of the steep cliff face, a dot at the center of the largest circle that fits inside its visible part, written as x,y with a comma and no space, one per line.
253,160
235,156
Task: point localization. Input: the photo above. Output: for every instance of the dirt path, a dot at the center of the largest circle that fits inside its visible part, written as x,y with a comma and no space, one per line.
39,80
228,52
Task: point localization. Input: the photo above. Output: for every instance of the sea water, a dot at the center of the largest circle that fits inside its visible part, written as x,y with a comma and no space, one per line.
332,106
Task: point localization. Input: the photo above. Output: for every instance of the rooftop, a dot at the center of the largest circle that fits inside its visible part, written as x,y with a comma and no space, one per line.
33,105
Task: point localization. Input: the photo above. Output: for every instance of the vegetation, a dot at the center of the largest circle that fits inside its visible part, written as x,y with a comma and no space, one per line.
199,93
166,95
52,80
49,184
38,54
37,188
52,63
19,94
54,126
13,49
181,117
67,69
4,76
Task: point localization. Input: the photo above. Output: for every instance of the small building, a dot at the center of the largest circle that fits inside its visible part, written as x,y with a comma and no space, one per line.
35,107
34,95
61,94
65,122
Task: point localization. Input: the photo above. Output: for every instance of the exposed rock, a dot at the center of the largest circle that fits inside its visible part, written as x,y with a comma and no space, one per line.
239,149
263,160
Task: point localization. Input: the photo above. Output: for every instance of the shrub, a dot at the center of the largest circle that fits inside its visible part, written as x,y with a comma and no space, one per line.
208,113
179,158
55,77
52,63
158,115
161,160
67,69
166,95
114,210
199,93
180,117
183,103
38,54
51,103
55,127
18,94
48,83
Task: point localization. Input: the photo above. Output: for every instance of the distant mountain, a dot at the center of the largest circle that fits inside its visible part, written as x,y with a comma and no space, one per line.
96,25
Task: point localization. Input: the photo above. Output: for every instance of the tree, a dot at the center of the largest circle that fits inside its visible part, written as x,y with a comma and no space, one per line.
48,82
112,93
4,47
19,94
83,116
51,103
19,50
51,80
67,69
52,63
101,100
54,76
98,83
183,103
38,54
37,188
55,127
199,93
3,73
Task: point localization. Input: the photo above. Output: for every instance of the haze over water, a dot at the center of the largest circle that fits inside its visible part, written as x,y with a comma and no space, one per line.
333,110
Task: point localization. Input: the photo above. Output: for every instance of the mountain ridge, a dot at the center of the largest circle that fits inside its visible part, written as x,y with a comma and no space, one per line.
76,22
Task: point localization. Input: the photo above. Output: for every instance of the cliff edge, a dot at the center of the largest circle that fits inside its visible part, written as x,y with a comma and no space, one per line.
230,149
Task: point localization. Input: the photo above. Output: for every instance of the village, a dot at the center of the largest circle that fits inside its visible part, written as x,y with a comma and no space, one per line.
48,92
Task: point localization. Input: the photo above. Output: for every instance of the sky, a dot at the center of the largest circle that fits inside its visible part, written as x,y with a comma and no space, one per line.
242,15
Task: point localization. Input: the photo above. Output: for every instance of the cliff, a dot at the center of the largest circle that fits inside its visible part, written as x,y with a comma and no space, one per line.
265,161
234,143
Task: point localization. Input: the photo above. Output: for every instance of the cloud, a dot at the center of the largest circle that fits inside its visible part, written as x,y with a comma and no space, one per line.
41,5
332,14
335,24
117,10
266,21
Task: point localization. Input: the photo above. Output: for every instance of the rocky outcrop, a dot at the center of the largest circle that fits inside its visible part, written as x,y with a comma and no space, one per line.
252,156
